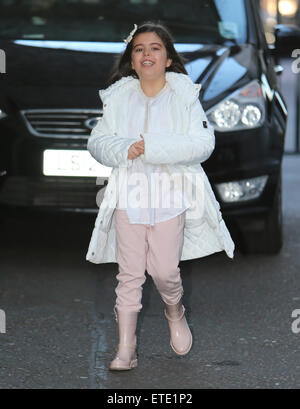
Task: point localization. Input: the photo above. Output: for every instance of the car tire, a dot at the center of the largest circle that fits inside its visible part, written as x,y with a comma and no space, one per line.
269,239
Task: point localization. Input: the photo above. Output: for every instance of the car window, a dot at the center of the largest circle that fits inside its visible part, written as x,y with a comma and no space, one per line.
193,21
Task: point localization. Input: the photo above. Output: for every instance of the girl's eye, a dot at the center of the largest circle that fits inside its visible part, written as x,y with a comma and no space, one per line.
153,48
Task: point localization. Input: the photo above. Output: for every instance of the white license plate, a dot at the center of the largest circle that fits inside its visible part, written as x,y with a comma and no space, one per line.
59,162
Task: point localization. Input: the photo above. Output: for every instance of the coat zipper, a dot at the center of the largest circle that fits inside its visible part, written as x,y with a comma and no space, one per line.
149,187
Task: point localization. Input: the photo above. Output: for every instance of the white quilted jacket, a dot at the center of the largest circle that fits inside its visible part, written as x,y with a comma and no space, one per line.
181,150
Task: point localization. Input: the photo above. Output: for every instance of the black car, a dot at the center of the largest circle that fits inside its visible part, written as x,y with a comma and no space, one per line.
58,54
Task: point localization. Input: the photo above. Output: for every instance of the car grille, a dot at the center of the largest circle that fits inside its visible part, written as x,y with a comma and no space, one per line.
56,192
61,123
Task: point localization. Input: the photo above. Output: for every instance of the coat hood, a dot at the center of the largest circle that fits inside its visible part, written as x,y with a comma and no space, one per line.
180,83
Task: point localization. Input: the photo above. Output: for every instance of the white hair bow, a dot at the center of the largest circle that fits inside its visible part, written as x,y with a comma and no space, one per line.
129,38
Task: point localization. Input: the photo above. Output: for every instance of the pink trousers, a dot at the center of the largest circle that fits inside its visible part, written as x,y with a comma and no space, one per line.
157,249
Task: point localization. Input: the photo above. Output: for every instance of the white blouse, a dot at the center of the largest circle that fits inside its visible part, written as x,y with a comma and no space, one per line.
148,194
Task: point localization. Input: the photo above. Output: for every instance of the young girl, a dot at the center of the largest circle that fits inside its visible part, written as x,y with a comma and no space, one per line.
154,134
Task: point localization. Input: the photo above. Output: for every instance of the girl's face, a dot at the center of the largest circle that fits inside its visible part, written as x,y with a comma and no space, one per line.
149,56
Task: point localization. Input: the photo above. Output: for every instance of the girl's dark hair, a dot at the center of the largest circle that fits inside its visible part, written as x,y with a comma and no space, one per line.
122,66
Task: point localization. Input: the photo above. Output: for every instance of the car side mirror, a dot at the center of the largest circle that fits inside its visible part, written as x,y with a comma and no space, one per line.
287,39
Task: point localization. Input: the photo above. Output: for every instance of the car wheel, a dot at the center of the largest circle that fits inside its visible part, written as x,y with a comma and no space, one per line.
269,238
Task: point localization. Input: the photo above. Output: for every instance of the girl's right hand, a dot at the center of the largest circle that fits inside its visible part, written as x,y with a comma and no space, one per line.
135,150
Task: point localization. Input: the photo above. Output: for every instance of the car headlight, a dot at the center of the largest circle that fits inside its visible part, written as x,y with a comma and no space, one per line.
242,190
244,109
2,114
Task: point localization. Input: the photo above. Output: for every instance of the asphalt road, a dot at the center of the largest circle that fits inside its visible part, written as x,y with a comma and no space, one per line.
60,328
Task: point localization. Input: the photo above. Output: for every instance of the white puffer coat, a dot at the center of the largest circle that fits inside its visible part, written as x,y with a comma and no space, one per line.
188,143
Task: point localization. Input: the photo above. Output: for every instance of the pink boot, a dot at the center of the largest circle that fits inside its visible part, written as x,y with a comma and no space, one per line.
180,333
126,357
